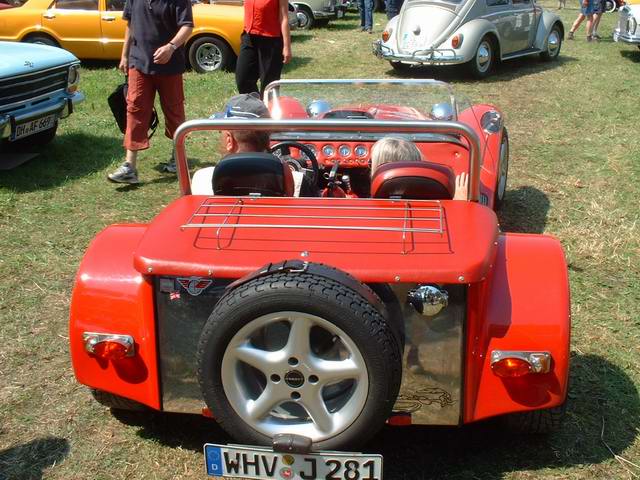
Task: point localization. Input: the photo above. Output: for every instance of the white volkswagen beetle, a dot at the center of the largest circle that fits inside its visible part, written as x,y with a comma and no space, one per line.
627,30
478,33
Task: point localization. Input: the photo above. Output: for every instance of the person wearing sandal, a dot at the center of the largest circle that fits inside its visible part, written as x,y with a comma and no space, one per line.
586,11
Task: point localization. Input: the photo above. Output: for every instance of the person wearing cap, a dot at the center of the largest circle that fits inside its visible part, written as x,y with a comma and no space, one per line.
154,60
265,44
248,106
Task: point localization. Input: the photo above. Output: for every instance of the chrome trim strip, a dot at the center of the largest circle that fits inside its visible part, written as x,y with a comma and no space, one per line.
64,65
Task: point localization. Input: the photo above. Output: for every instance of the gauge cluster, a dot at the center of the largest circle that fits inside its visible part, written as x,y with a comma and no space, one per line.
345,153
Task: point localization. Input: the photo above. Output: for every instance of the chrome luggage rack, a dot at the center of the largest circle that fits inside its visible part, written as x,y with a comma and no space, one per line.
232,213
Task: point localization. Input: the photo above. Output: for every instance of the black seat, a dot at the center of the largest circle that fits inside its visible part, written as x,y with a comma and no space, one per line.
249,173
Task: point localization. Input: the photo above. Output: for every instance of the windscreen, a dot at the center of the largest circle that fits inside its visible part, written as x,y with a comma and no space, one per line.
365,99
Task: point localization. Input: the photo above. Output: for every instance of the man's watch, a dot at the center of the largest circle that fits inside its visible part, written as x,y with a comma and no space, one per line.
173,46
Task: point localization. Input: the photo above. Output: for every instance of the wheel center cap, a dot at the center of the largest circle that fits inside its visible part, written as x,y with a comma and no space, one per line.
294,378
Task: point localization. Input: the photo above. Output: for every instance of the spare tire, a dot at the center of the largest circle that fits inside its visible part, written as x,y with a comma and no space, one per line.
296,352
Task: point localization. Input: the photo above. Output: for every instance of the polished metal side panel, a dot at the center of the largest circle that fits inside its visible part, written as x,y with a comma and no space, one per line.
432,371
431,388
181,317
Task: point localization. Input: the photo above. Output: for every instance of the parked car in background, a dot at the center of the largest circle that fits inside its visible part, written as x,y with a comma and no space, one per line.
38,87
627,30
313,12
293,16
94,29
478,33
613,5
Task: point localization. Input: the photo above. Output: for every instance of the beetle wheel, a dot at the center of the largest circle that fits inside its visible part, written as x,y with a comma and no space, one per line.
554,44
483,60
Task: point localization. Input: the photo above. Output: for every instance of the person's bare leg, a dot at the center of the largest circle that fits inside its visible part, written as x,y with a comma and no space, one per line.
577,23
131,158
589,26
596,24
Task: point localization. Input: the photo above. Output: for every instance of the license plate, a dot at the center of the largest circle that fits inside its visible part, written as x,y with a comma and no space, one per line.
34,126
262,463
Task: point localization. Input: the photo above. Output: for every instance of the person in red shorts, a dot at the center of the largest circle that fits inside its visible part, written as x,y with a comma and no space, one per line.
265,44
153,58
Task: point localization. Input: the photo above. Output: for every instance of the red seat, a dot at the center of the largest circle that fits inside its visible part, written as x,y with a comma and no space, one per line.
414,180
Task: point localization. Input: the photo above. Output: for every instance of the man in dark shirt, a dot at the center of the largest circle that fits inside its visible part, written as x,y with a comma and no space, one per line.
153,57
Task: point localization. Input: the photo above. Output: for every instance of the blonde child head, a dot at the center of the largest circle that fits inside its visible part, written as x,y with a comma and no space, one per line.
393,149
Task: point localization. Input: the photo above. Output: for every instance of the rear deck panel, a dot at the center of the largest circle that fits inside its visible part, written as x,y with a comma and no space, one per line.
373,240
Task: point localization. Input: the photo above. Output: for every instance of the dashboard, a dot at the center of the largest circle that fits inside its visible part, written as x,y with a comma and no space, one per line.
347,154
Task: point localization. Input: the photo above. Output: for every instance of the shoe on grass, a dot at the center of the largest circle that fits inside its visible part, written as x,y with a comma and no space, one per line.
124,174
570,36
595,36
170,166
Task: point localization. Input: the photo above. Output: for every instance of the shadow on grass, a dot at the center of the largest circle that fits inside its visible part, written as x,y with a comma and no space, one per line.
503,72
28,461
297,37
631,55
296,62
600,391
68,157
524,210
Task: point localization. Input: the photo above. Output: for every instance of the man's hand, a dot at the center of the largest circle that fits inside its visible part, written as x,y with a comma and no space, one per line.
163,54
462,187
286,54
124,64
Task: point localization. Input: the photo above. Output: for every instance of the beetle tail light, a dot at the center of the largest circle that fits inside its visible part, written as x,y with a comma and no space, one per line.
386,34
456,41
109,346
510,364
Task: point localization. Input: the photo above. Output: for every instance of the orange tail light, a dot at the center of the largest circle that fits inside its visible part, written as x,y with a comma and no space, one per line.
517,363
511,367
109,346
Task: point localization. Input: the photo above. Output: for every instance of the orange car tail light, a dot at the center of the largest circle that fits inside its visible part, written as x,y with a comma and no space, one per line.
386,34
456,41
509,364
109,346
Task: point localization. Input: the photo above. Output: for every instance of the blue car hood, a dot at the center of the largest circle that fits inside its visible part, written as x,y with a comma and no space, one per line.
18,58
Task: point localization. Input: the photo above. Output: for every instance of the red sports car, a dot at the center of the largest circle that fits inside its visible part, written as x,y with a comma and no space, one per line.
303,323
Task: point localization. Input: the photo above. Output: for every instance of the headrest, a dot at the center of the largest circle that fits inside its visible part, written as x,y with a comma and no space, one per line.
252,173
414,180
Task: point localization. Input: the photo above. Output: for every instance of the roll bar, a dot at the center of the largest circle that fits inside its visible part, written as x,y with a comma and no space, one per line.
341,125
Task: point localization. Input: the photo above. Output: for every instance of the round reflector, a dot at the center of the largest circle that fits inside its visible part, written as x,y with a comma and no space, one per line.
456,41
511,367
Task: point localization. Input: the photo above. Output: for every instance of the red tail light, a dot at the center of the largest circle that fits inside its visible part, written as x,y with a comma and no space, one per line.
386,34
511,367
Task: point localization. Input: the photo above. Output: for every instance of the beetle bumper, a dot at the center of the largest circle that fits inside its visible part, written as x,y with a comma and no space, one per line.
626,38
445,56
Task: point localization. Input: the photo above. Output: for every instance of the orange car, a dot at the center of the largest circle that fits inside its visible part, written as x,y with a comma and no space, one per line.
94,29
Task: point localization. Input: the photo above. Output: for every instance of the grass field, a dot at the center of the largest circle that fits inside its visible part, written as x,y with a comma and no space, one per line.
575,171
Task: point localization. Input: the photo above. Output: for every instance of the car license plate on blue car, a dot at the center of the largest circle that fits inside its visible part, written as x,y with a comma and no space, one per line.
236,461
34,126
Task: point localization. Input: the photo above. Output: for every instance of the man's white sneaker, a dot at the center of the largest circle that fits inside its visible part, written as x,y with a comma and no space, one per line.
124,174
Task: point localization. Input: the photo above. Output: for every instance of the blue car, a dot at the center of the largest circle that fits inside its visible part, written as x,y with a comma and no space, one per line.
38,87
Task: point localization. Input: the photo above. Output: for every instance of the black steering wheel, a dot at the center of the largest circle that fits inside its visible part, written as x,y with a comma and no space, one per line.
283,150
